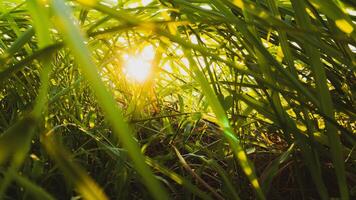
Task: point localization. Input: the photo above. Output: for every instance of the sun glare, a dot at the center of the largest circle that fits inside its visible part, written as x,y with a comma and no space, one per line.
146,2
138,67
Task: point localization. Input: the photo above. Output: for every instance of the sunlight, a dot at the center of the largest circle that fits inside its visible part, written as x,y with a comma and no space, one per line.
146,2
136,4
138,67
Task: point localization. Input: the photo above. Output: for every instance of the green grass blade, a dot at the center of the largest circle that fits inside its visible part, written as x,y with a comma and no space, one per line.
225,125
326,104
23,39
75,41
82,182
340,18
36,191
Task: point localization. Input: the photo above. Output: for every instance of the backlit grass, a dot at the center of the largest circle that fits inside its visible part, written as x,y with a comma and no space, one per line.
174,99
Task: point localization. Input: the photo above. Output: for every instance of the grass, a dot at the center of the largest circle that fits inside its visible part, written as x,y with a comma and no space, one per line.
247,99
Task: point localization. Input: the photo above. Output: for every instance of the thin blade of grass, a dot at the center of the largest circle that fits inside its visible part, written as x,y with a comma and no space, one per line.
326,104
225,125
83,183
76,42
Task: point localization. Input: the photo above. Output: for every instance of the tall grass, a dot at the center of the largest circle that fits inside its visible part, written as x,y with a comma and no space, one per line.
244,95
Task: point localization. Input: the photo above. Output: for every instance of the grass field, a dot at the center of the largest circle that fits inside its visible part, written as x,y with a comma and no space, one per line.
177,99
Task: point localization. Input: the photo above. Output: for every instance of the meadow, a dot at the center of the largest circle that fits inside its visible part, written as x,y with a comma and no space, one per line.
177,99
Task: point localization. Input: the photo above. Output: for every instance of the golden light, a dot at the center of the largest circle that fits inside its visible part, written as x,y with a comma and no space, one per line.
138,67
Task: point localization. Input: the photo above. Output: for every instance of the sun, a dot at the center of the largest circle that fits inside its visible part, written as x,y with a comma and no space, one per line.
138,67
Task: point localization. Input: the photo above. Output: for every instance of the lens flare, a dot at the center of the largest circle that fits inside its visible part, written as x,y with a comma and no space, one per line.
138,67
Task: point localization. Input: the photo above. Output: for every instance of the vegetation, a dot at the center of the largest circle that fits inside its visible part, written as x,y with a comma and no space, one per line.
175,99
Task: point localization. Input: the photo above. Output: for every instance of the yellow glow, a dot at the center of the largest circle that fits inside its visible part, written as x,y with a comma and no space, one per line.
88,2
242,156
344,26
255,183
138,67
239,3
248,171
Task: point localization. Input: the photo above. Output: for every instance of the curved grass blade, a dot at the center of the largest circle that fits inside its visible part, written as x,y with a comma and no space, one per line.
36,191
76,42
271,171
225,125
326,104
15,143
22,132
178,179
23,39
340,18
82,182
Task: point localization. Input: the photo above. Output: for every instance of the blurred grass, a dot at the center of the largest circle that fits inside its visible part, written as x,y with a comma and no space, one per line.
244,94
